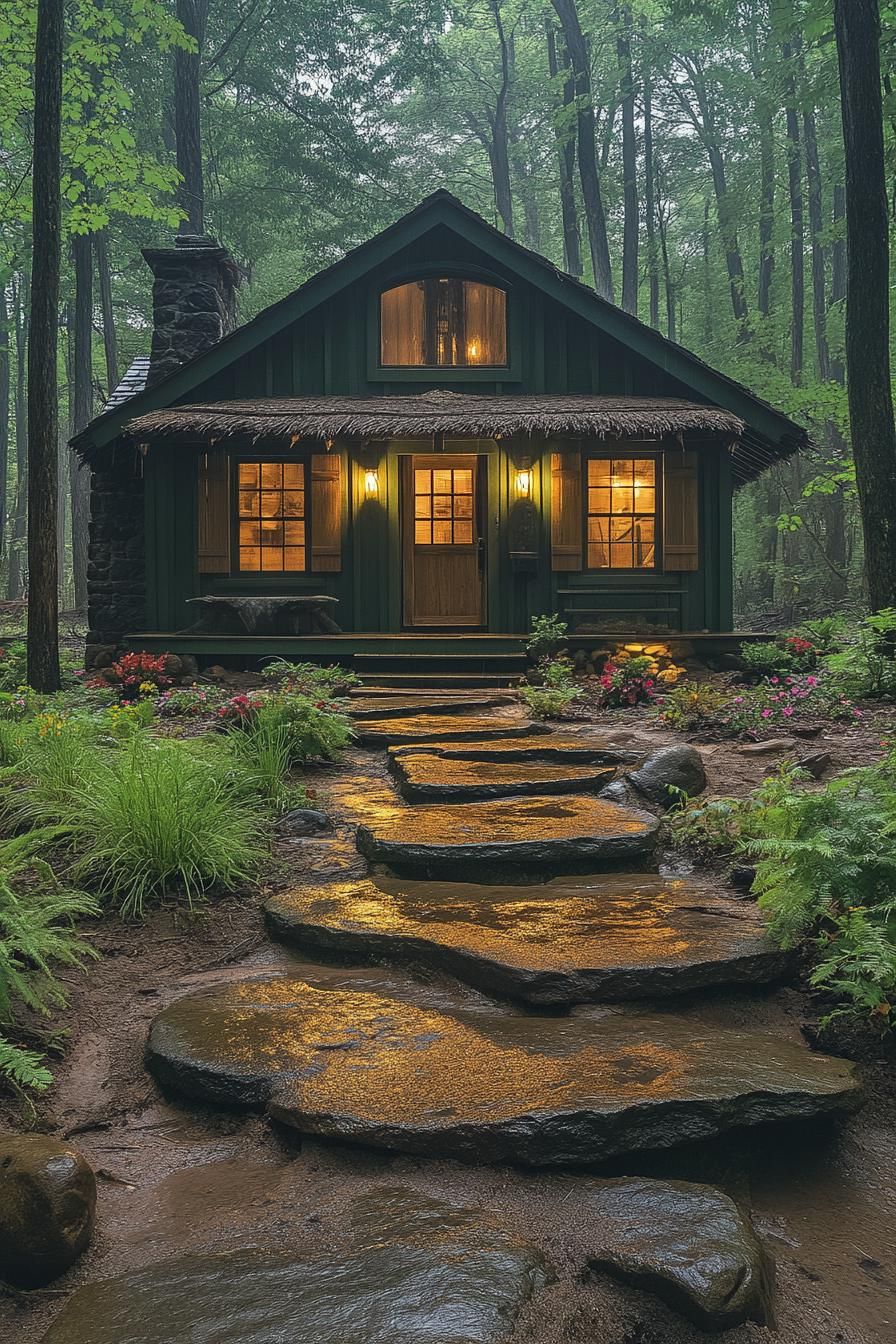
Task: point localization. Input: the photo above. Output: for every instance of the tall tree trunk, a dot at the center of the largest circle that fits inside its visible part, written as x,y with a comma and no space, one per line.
730,241
671,330
631,222
566,155
837,544
499,153
708,324
857,28
110,336
838,269
819,258
5,388
797,228
82,410
766,205
596,220
20,300
187,116
653,270
43,413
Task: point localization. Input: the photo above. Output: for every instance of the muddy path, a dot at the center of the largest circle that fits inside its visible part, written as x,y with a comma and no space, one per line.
177,1176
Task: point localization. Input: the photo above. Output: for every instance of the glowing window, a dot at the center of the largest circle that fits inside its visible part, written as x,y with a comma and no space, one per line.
621,513
443,507
271,517
443,323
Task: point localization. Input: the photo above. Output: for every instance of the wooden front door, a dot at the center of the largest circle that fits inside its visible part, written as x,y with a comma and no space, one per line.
442,547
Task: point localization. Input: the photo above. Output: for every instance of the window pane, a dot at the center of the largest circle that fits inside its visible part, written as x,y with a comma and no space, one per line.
463,506
294,558
441,482
250,559
441,506
422,506
293,475
272,559
422,534
271,501
463,534
250,534
271,475
294,503
621,513
249,473
248,503
263,511
441,534
463,481
443,322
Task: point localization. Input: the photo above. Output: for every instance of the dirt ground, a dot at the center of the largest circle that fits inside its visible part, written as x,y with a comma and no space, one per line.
175,1176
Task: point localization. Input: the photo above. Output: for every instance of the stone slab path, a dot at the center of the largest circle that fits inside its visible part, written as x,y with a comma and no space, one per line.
555,747
381,707
425,777
424,1272
444,839
427,727
486,1086
572,940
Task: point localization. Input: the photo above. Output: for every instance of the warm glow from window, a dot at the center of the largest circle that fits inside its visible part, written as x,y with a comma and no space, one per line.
621,513
443,507
271,517
443,323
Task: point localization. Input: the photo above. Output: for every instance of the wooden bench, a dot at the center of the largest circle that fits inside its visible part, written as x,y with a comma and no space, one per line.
237,615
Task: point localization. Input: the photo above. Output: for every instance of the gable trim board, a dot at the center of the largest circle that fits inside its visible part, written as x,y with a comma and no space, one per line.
768,435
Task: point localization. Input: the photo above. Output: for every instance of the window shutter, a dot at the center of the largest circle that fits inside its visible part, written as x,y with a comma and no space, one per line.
566,510
326,512
214,514
681,528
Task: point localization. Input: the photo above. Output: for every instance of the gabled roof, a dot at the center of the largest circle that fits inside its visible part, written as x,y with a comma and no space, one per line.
768,435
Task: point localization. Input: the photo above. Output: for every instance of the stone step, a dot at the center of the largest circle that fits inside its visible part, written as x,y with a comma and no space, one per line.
426,727
447,839
483,1085
422,1271
555,747
572,940
376,707
425,777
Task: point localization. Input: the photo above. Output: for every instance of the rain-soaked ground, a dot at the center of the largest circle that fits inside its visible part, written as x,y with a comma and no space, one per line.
177,1177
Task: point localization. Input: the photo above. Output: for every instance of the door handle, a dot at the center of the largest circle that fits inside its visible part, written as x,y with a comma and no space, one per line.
480,552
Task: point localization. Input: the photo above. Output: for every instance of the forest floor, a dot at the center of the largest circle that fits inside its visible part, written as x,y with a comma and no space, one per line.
175,1176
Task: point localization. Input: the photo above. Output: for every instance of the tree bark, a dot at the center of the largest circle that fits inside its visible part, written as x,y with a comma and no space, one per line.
766,206
188,116
566,155
819,257
797,227
82,410
20,303
500,150
5,389
43,413
110,335
838,270
595,218
653,270
631,222
857,29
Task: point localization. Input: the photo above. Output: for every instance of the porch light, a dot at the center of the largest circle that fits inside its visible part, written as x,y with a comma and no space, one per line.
524,482
371,484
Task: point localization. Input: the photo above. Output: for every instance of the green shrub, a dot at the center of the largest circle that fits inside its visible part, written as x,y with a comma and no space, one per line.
548,702
262,761
693,705
766,659
825,633
548,633
36,935
318,683
867,667
313,731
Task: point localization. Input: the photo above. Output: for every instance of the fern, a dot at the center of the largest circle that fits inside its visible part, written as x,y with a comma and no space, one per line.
23,1067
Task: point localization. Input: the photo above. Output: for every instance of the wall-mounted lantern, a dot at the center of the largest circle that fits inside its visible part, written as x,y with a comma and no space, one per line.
371,483
524,479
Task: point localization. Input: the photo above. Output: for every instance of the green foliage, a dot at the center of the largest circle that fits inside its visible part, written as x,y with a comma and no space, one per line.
692,705
37,935
765,659
310,731
825,633
310,679
263,758
867,666
548,633
548,702
710,827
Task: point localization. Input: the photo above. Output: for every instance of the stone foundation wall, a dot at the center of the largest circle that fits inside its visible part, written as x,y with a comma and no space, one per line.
116,583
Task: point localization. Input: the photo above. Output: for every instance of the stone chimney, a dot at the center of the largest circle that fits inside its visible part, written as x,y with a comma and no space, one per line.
193,300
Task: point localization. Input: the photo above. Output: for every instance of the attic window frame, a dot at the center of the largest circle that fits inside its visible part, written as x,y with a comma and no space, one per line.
438,374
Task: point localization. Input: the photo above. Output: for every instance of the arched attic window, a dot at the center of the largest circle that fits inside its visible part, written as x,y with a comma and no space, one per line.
443,323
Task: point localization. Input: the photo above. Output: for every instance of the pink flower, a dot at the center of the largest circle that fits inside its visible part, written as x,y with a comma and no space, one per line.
766,713
787,711
774,680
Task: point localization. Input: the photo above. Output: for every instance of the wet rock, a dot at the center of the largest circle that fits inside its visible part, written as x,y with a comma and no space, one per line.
539,832
420,1272
47,1205
443,728
427,777
689,1244
573,940
620,792
216,672
770,747
680,767
304,821
557,748
743,875
478,1084
815,763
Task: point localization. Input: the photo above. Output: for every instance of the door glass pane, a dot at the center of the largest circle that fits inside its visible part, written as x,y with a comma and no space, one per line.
445,495
463,534
441,534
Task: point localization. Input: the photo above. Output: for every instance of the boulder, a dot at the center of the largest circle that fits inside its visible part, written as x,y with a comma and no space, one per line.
691,1245
483,1084
304,821
419,1272
680,766
815,763
47,1207
770,747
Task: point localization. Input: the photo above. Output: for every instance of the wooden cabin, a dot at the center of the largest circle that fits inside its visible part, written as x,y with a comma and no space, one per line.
430,442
